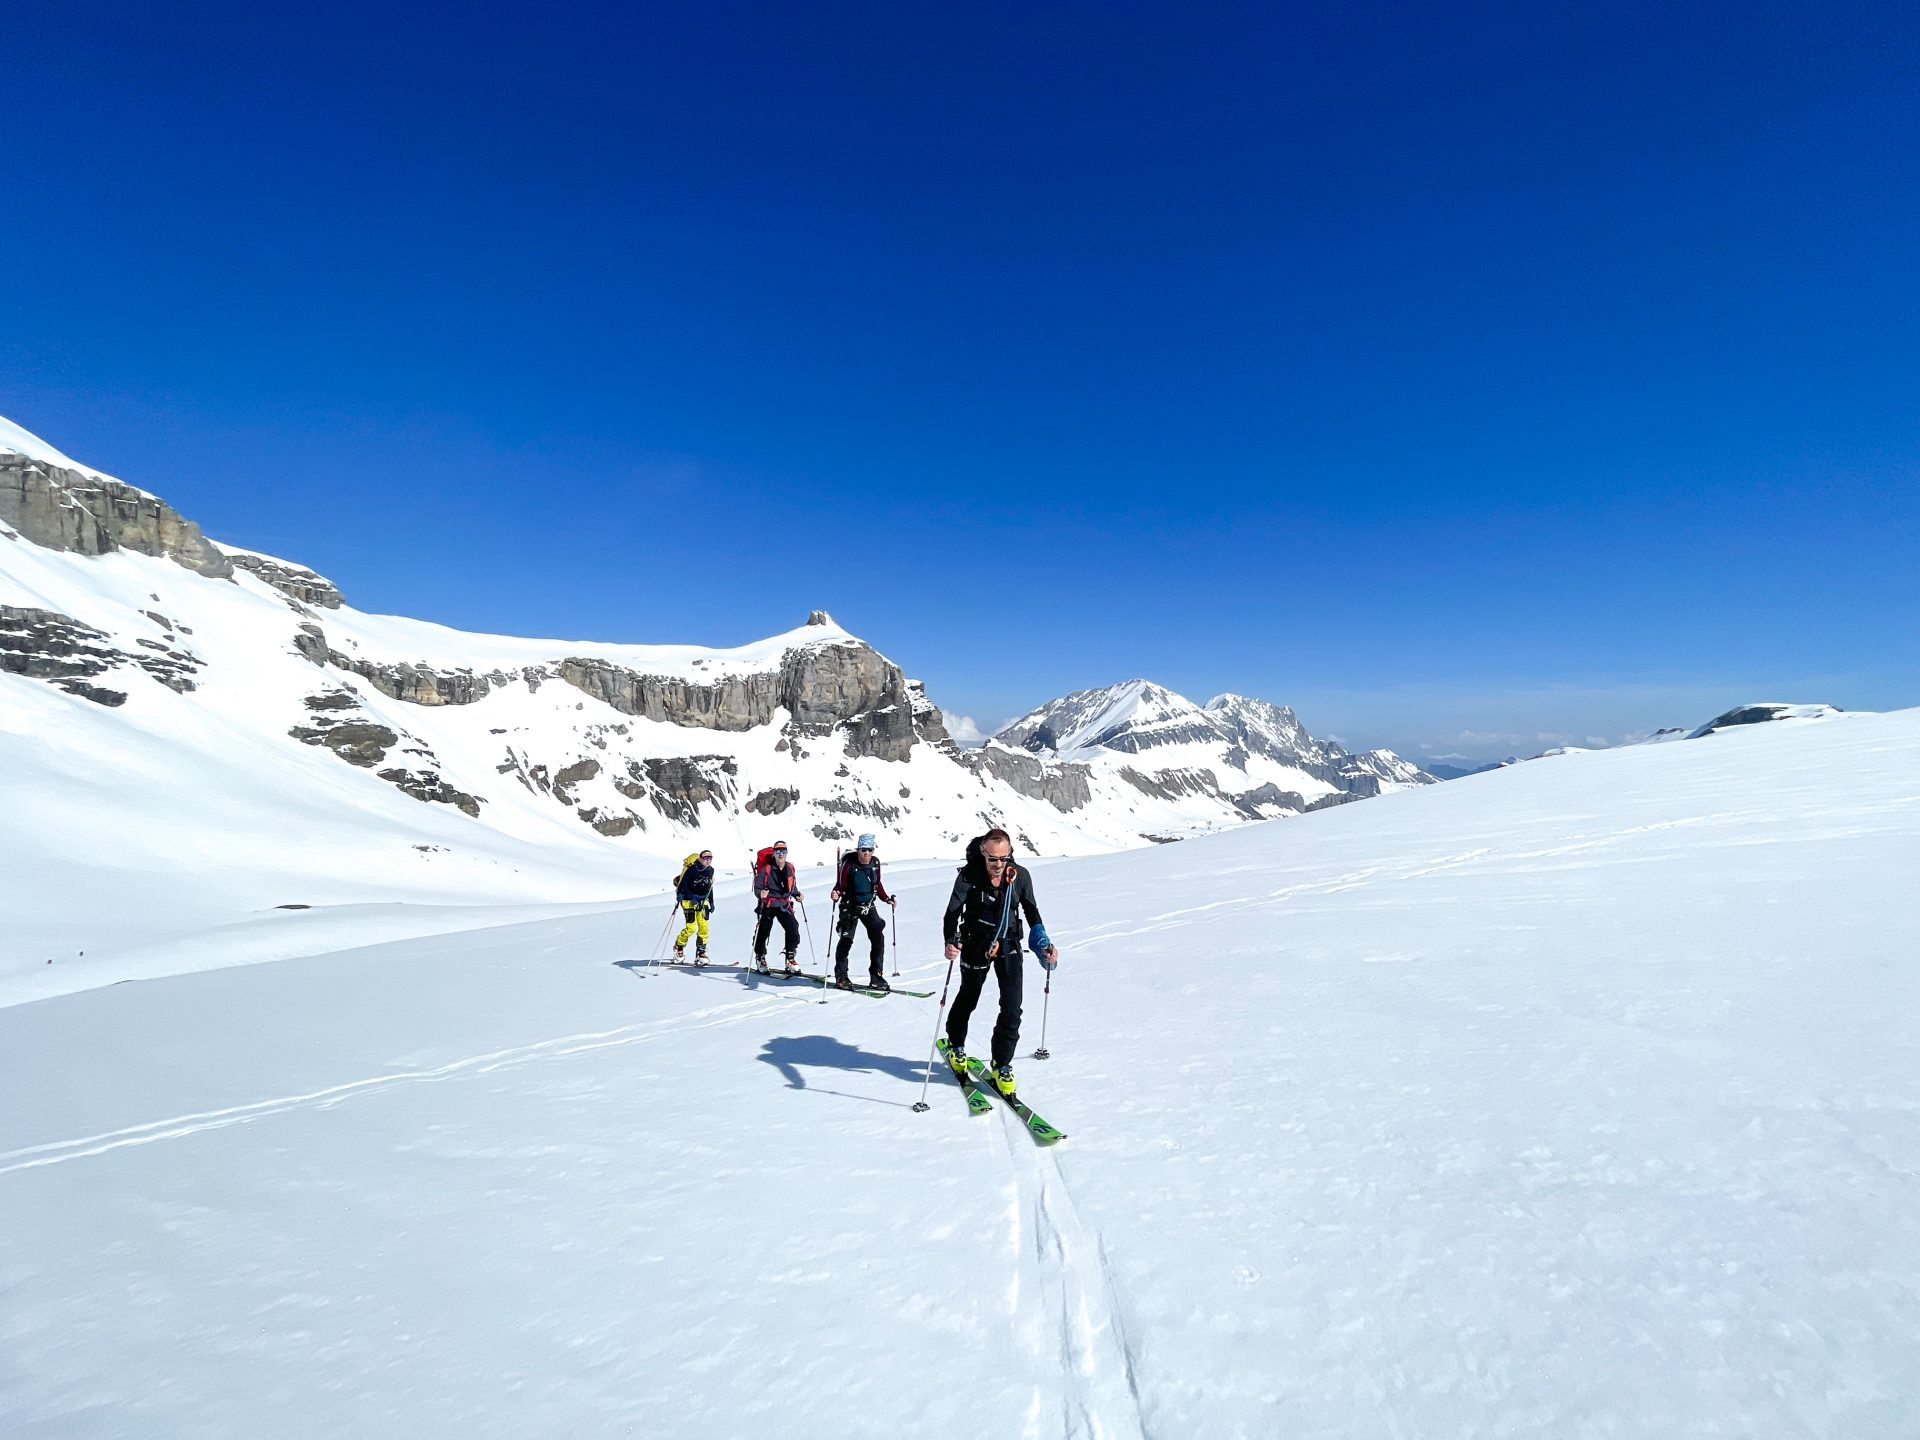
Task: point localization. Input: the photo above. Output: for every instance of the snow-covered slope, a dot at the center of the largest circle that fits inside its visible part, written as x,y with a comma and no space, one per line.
182,726
166,697
1574,1099
1180,769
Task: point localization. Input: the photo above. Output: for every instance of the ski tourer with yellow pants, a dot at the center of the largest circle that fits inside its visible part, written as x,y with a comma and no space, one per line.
694,891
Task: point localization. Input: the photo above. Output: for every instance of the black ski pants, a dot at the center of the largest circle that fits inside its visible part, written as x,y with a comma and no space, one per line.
1009,968
765,928
852,916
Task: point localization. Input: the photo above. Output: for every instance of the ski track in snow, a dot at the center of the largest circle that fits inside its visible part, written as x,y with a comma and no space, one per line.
178,1127
1061,1304
1630,1153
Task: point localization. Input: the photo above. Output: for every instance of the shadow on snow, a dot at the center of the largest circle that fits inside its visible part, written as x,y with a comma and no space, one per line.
789,1054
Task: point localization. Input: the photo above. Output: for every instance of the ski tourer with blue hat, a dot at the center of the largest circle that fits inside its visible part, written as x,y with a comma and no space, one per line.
857,888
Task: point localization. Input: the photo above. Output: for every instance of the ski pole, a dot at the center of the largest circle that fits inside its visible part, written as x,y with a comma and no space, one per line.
921,1105
813,953
660,945
894,906
1046,1001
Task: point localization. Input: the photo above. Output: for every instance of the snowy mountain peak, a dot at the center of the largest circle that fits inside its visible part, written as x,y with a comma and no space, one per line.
1133,715
1237,759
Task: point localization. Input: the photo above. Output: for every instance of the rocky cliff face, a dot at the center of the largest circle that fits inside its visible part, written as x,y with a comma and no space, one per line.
1066,787
87,514
823,688
294,581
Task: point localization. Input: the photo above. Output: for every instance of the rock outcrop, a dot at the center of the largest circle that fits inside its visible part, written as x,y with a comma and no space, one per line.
46,645
89,514
1066,787
341,726
294,581
419,684
848,687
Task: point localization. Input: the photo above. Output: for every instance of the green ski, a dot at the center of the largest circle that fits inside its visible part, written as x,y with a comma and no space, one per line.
1042,1132
977,1101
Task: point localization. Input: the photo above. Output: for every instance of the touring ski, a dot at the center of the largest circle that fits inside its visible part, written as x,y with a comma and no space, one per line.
977,1101
862,989
1042,1132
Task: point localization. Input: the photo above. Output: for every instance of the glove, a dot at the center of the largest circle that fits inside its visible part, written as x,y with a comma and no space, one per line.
709,906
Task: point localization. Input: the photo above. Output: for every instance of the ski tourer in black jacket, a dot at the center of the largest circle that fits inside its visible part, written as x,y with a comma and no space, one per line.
985,922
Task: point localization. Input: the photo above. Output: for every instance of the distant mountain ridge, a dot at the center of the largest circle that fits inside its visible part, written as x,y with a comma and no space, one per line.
1233,759
176,668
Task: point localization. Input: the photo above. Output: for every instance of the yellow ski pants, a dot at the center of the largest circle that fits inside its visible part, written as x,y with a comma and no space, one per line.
696,913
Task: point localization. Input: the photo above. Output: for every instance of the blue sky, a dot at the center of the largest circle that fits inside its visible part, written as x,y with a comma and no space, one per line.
1458,374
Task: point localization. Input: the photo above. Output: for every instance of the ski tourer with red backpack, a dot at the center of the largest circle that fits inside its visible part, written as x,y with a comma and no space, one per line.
775,889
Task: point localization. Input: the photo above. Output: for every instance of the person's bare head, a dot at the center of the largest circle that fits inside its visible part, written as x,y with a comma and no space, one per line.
996,849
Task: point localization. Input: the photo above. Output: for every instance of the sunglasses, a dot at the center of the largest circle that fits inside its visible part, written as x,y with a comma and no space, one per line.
998,859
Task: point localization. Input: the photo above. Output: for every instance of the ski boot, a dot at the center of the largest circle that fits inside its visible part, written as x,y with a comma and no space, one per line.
699,957
957,1059
760,965
841,982
793,962
877,981
1003,1079
679,953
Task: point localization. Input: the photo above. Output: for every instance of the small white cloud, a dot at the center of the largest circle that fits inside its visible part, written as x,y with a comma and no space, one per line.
963,729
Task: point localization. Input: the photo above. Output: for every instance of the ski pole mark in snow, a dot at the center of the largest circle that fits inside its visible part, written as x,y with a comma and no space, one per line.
58,1152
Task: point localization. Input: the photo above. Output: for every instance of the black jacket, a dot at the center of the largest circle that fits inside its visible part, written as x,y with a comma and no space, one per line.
979,913
773,886
695,884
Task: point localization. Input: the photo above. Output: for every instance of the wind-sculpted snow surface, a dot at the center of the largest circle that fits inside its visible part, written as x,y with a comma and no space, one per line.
1570,1099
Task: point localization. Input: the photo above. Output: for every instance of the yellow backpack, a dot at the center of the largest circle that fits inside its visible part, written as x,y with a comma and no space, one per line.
685,865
